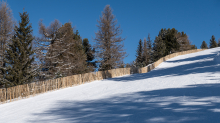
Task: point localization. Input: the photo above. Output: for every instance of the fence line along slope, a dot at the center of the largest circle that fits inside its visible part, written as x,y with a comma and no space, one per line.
182,89
32,89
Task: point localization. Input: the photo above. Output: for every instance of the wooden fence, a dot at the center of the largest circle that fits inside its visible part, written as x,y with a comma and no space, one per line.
32,89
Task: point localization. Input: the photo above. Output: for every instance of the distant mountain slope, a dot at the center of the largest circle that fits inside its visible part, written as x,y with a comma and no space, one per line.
183,89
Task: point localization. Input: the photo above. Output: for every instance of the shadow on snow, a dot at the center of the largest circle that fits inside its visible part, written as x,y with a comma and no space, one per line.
195,103
191,68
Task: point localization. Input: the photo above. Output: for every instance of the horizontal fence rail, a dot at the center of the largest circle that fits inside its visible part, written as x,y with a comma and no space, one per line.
35,88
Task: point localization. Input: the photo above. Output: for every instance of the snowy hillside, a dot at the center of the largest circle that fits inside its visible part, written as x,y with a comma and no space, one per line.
183,89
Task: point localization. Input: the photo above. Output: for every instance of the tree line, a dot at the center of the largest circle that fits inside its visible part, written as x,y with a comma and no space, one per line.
212,43
60,51
167,42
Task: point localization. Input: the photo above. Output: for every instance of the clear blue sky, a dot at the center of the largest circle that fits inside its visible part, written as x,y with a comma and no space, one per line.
199,19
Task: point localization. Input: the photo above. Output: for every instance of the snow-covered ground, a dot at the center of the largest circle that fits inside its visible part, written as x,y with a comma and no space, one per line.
183,89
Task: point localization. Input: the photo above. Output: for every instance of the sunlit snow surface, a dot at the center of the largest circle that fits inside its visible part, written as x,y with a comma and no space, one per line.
184,89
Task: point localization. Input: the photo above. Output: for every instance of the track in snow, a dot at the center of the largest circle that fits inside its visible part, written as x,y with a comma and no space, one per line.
183,89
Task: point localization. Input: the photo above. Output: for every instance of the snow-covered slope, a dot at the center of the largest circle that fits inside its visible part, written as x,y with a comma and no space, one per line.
183,89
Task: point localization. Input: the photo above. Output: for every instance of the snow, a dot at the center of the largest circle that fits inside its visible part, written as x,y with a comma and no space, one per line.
183,89
217,58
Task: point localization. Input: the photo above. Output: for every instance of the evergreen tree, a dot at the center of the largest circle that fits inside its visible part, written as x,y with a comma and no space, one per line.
171,41
109,45
204,45
79,56
218,42
168,36
149,50
19,56
145,56
159,48
77,37
213,43
65,55
139,57
193,47
90,55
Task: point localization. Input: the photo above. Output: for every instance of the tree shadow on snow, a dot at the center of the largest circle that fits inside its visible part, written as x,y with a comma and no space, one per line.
194,103
189,68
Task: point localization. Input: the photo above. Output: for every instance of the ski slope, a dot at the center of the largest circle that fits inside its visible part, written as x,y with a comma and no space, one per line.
183,89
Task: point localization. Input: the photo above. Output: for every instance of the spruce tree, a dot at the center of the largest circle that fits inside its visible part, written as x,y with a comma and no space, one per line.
175,41
139,57
19,56
79,56
171,41
213,43
159,48
204,45
90,53
109,44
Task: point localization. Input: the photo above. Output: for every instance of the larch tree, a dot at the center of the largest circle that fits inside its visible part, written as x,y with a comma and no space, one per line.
45,46
184,42
108,42
149,50
204,45
19,57
213,43
145,55
6,31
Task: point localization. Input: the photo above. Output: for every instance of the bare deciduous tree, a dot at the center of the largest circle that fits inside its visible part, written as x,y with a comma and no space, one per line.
109,45
43,44
6,31
147,51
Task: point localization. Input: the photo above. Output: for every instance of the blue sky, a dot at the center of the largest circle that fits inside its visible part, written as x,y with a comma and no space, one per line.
199,19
